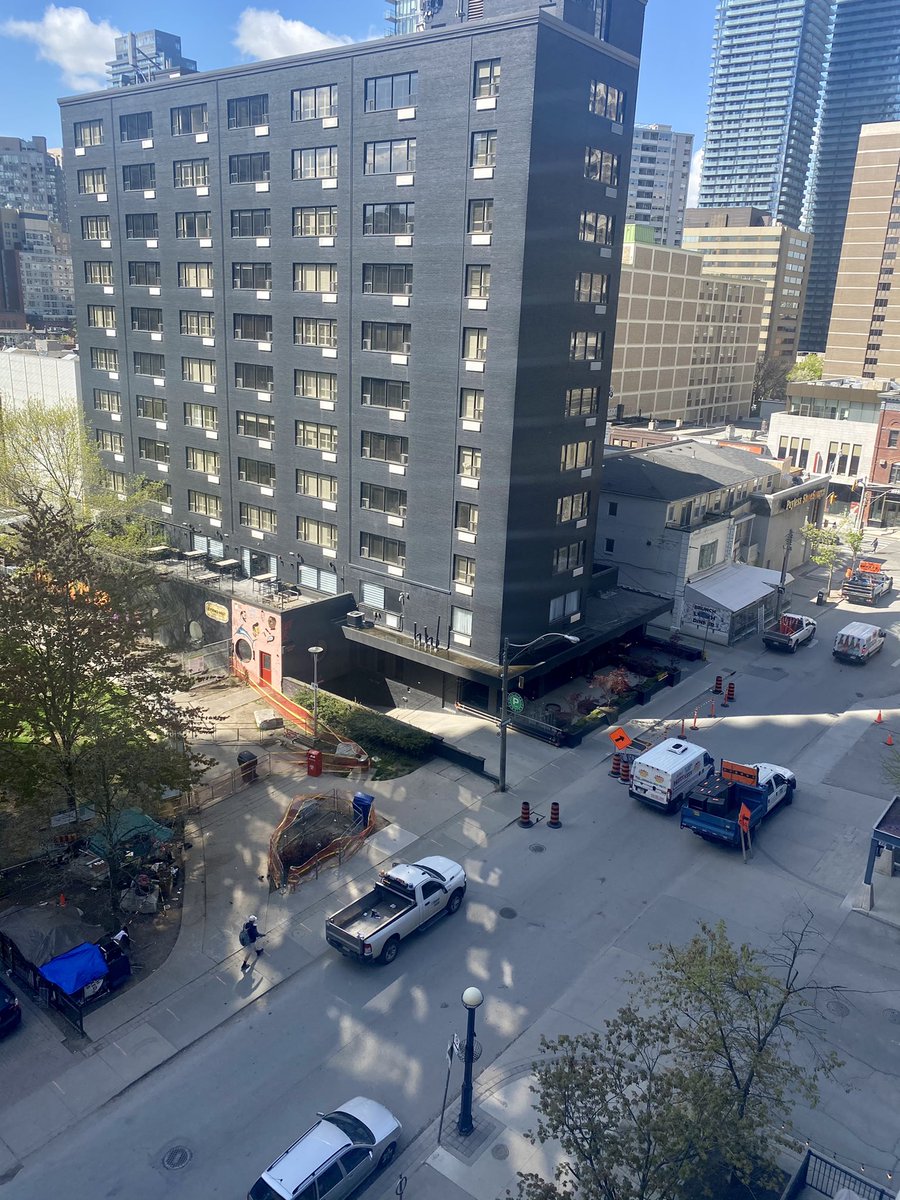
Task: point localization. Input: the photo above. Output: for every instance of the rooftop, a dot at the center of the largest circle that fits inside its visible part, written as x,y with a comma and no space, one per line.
681,469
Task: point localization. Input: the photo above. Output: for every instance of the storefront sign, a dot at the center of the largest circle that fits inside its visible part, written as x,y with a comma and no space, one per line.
217,612
796,501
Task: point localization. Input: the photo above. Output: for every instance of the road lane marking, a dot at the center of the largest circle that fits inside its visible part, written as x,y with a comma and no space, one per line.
896,663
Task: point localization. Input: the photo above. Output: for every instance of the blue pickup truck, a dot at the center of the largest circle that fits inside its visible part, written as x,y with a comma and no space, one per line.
711,809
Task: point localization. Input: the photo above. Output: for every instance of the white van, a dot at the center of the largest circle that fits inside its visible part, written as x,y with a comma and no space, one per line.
664,774
857,642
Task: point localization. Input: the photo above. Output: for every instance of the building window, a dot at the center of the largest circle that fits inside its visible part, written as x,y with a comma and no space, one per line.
576,456
88,133
581,402
481,216
484,149
153,450
92,181
609,545
251,222
198,370
314,103
708,555
136,127
607,101
382,549
390,158
387,337
487,78
315,162
197,324
466,518
317,533
586,346
573,508
113,442
893,438
103,359
205,504
193,225
471,404
601,166
195,275
115,481
464,570
153,408
201,416
319,487
612,508
207,461
256,425
101,316
591,287
894,476
315,437
565,606
189,118
252,327
596,228
391,91
386,219
315,222
141,226
144,274
95,228
106,401
147,320
138,177
149,364
252,470
253,517
253,277
191,173
249,168
385,393
313,331
382,499
384,447
248,111
315,277
475,344
468,461
478,282
316,385
387,279
461,621
855,456
567,558
253,377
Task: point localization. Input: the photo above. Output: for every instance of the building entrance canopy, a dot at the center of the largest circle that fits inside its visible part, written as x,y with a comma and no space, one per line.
738,586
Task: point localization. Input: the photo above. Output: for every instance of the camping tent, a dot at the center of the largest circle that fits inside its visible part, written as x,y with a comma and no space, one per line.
135,829
40,934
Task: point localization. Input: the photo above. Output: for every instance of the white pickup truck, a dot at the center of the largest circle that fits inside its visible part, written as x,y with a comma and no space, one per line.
407,897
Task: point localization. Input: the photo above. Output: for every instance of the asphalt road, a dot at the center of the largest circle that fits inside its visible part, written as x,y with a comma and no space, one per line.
615,878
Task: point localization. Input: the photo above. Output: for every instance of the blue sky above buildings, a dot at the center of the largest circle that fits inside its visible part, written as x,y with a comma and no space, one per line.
56,49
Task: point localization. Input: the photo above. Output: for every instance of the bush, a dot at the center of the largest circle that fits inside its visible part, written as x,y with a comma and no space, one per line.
371,730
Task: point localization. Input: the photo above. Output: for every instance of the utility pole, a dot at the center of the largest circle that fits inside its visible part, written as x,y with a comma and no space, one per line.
788,542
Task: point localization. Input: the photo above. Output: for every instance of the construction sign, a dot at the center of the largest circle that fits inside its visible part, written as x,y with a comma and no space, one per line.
739,773
744,818
619,738
869,568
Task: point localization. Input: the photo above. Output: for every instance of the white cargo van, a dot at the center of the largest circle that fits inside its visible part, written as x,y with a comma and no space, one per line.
857,642
664,774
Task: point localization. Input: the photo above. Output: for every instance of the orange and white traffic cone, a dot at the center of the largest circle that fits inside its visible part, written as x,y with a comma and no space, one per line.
890,740
879,718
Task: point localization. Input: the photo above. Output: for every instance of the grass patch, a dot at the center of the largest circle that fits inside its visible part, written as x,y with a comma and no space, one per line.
399,747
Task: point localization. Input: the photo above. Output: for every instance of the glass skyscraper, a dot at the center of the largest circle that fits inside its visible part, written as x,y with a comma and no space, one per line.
766,69
862,86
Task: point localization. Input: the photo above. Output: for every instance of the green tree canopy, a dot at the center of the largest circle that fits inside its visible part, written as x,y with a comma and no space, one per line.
807,369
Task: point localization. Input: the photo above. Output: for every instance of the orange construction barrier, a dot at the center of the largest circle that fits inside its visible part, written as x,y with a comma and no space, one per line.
625,776
554,822
717,690
730,694
525,818
616,766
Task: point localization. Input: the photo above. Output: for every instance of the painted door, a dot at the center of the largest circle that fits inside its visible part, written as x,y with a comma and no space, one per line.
265,666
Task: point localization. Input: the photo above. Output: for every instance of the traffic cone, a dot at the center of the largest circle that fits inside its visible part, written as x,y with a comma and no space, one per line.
717,690
554,822
730,694
694,724
525,818
878,719
712,708
725,700
616,766
62,900
625,776
890,740
682,727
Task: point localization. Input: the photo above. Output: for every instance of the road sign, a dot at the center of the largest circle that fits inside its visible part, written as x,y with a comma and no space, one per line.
515,703
739,773
868,568
620,738
744,818
450,1050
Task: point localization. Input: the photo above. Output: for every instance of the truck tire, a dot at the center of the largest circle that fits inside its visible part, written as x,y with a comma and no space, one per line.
387,1156
794,648
455,901
789,798
390,951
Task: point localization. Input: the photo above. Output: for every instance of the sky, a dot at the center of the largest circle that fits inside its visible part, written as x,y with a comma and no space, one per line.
55,50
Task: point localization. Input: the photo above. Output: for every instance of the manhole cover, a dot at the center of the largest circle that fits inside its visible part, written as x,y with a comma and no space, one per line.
508,913
537,848
177,1157
501,1150
893,1014
837,1008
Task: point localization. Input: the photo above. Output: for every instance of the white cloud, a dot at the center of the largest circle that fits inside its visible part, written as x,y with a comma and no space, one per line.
693,191
69,38
265,33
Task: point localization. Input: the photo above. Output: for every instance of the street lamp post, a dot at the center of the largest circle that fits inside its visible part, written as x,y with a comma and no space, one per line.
504,687
472,998
315,651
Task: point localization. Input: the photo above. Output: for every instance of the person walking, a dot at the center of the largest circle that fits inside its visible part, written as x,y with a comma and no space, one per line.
249,936
875,545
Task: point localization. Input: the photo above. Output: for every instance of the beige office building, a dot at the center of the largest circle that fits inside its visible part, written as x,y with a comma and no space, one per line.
686,341
864,334
744,242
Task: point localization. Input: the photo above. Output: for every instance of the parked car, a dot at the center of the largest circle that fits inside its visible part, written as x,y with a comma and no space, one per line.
857,642
712,809
788,632
867,584
334,1156
663,775
10,1009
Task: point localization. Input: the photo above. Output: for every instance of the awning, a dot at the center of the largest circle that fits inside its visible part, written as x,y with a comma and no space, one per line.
738,586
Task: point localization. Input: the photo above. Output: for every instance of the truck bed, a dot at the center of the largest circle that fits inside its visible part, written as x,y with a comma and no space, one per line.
712,811
369,913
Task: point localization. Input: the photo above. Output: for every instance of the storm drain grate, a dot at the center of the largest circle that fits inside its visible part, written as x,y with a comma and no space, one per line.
893,1015
537,848
508,913
177,1157
837,1008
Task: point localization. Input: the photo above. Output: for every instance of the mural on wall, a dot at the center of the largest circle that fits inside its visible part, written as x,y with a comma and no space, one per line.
708,617
256,642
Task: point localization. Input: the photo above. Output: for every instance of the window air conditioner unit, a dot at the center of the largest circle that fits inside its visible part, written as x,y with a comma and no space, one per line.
406,348
367,286
407,288
367,343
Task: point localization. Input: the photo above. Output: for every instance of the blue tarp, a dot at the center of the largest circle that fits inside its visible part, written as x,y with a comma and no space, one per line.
72,971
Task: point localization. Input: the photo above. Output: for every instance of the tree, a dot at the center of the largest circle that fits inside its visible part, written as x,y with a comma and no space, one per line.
77,659
769,380
825,547
853,537
807,369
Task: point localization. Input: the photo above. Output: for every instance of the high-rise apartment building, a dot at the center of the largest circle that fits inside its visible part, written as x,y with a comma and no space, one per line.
658,183
861,86
405,17
757,248
356,309
143,57
864,334
766,67
31,178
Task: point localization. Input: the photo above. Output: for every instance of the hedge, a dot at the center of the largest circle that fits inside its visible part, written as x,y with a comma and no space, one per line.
371,730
